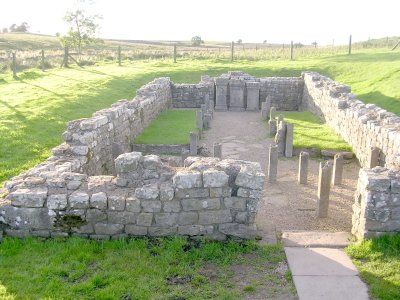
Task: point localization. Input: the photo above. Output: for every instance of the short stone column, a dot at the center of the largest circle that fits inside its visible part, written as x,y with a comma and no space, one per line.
185,154
373,157
199,120
236,94
279,120
221,90
272,122
337,173
207,121
324,188
265,108
194,141
289,140
253,95
273,163
203,109
280,138
303,167
217,150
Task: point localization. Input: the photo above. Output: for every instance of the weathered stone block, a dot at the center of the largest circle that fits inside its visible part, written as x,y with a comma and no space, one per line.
236,203
220,192
127,162
187,179
166,219
214,178
108,229
151,206
192,193
133,204
79,200
151,162
238,230
98,200
166,192
135,230
200,204
57,202
95,215
34,197
195,230
172,206
116,202
188,218
215,217
249,193
250,177
147,192
26,218
121,217
162,231
144,219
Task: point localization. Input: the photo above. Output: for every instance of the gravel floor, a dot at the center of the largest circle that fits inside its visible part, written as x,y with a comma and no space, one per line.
286,205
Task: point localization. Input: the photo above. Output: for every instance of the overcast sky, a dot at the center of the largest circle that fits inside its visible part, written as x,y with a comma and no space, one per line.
276,21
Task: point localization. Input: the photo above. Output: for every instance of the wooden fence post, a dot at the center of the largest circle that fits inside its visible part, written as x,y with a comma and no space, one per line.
291,50
119,55
66,54
232,49
42,64
350,45
174,53
14,65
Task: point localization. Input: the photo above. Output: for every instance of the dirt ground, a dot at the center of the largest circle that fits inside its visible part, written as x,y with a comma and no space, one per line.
285,205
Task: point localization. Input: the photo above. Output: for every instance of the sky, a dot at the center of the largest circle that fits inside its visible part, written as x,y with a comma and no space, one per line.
278,21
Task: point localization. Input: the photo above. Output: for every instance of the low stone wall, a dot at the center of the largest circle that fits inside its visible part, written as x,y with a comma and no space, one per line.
361,125
192,95
377,205
285,93
161,149
209,197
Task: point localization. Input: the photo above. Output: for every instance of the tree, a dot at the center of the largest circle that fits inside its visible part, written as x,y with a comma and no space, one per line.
265,41
5,30
239,41
23,27
314,44
197,41
82,31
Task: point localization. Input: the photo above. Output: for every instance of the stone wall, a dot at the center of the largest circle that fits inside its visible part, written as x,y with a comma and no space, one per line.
286,93
192,95
208,197
377,205
361,125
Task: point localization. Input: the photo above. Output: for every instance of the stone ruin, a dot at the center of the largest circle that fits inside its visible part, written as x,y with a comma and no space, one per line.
95,186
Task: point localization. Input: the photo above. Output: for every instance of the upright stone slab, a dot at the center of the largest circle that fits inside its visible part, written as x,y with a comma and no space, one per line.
289,140
199,120
272,163
272,113
373,157
236,94
303,167
324,188
264,111
207,121
185,154
279,120
217,150
337,169
280,138
194,141
221,89
253,95
203,109
272,128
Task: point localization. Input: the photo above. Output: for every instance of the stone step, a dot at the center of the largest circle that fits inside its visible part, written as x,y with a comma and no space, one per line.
301,238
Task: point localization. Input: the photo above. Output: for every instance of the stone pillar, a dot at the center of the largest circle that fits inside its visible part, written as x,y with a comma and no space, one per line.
303,167
217,150
185,154
280,119
199,120
289,140
253,95
236,97
207,101
203,109
272,122
373,157
207,121
324,188
280,138
273,163
337,169
265,108
194,141
221,86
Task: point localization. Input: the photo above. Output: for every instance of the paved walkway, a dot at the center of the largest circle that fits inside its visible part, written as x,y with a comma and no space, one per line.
320,268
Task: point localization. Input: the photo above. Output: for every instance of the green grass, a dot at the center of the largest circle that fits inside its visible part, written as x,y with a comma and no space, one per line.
170,127
378,261
35,108
310,132
133,269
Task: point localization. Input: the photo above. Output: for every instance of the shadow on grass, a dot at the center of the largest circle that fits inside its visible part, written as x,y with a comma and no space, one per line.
389,103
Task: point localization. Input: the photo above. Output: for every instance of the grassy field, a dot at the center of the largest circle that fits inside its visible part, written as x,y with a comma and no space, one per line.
161,268
310,132
378,261
35,107
170,127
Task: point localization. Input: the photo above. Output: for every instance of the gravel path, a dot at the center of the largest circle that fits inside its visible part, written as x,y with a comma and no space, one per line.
286,205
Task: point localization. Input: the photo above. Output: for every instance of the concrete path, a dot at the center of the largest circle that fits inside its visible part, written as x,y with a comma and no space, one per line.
320,270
